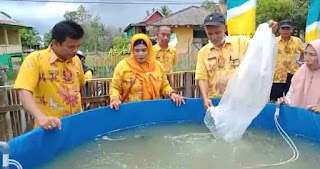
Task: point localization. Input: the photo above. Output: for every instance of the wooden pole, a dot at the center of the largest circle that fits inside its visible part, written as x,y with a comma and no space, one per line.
188,86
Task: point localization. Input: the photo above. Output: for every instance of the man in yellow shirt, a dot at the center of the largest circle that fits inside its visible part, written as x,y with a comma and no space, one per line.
286,65
165,54
218,59
49,80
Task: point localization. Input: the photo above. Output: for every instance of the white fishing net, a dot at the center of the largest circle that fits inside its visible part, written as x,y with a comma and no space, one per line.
248,90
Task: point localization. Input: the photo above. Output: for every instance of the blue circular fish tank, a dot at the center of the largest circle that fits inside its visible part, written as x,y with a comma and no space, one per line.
38,147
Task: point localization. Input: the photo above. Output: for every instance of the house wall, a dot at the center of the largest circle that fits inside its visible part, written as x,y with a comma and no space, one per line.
2,37
154,17
135,30
10,41
199,38
4,49
130,32
140,29
185,39
13,36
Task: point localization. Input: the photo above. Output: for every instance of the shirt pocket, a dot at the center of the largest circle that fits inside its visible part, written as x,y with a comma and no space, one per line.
212,63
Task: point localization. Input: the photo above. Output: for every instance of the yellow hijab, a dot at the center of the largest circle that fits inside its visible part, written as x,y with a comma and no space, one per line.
143,71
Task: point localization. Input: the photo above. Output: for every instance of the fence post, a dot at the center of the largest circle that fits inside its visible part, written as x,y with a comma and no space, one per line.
188,84
3,102
3,127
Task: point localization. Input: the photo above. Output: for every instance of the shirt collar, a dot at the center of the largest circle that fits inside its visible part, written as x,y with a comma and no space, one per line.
291,39
159,48
53,57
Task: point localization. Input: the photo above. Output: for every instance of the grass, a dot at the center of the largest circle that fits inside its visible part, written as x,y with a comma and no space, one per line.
103,65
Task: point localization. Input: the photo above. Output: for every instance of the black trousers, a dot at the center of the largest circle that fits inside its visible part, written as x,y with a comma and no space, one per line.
278,89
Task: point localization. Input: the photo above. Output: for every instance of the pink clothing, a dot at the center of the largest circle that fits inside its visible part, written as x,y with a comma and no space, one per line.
305,86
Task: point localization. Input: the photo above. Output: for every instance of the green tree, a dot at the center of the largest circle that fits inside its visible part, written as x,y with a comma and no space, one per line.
120,42
210,6
120,46
81,16
295,10
97,36
300,13
47,38
30,38
94,38
165,10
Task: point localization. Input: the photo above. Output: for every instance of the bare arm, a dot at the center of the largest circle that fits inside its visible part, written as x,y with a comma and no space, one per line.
288,98
116,86
202,76
203,84
30,106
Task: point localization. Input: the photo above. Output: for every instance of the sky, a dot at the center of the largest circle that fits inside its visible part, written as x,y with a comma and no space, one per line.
44,15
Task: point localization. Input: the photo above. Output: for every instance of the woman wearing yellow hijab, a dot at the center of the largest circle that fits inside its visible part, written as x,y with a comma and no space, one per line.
140,76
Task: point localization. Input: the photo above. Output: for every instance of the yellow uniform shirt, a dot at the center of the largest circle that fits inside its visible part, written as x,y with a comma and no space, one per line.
168,58
286,58
88,74
123,75
217,65
55,84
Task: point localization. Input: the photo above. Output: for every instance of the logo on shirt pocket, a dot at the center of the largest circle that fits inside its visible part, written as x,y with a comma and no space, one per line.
234,63
221,62
53,75
212,62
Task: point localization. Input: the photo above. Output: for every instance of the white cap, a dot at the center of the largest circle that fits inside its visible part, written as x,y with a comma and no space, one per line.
80,53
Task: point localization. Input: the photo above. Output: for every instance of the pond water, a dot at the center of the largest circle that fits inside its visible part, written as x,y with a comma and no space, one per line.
185,146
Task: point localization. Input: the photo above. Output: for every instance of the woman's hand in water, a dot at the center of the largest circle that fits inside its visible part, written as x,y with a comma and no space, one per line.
314,108
115,104
177,99
283,100
207,103
273,25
